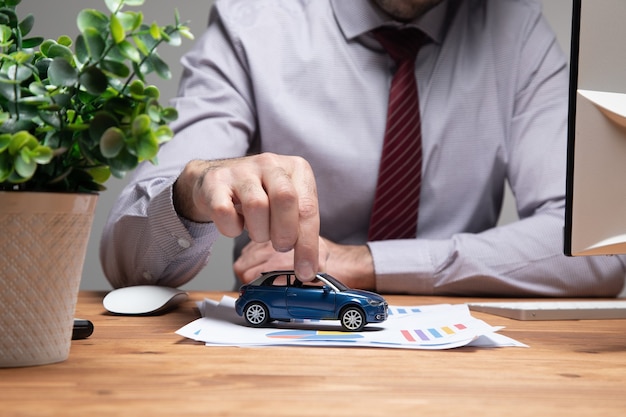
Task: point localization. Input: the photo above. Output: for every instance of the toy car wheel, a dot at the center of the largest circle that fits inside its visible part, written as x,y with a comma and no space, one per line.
256,314
352,319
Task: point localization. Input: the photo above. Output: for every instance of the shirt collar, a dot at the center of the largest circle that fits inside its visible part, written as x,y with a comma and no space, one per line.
356,18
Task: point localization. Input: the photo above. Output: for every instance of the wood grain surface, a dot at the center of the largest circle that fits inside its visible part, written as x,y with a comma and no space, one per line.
138,366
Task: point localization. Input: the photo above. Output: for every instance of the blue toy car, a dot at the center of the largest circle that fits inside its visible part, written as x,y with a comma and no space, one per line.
279,295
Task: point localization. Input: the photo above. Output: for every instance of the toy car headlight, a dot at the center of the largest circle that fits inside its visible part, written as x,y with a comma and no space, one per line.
374,303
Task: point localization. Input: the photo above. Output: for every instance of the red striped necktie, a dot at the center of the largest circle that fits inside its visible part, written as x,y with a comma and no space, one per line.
395,209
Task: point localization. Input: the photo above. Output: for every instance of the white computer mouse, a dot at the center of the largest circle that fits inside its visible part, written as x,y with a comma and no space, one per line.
143,299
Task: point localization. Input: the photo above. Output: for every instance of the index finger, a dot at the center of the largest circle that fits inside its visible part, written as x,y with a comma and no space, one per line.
306,247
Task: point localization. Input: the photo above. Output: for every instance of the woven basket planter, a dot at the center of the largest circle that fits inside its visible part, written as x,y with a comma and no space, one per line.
43,242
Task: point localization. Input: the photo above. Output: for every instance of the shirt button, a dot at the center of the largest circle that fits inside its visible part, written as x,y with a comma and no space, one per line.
147,276
184,243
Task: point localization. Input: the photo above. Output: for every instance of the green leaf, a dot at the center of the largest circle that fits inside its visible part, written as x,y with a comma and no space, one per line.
165,34
141,45
136,89
5,140
64,40
94,81
63,100
130,20
10,16
6,166
52,139
140,70
147,38
155,31
163,134
32,42
147,147
14,126
42,155
154,112
114,5
36,101
134,2
169,114
51,119
92,19
61,73
116,68
37,88
152,92
141,125
160,66
45,46
5,34
129,51
26,25
100,174
185,32
60,51
101,122
117,30
119,106
82,51
95,43
22,139
175,39
123,163
8,91
19,73
42,66
24,165
26,110
16,178
22,57
112,142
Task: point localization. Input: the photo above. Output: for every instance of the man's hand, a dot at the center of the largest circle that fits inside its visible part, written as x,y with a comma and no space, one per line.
273,197
351,264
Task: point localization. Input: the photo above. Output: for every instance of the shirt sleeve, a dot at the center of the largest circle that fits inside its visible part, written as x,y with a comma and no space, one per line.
146,242
524,257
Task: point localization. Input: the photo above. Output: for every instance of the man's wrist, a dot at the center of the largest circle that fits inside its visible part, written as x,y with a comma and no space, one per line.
182,193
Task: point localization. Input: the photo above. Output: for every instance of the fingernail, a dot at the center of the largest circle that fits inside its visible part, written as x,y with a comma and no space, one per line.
305,271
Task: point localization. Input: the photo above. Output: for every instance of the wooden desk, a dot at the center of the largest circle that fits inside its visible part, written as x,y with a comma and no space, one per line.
138,366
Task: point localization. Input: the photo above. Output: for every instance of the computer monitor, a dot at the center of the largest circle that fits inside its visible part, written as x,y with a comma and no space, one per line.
595,215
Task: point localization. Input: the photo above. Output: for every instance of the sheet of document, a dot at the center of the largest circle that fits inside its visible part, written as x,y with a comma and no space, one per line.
442,326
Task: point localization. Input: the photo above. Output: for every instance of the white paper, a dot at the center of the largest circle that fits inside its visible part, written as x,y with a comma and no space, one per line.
442,326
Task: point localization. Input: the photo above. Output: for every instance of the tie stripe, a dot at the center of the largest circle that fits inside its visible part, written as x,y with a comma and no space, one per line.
396,202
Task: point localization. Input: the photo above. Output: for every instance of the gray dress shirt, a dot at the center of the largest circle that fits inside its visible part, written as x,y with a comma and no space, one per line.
306,78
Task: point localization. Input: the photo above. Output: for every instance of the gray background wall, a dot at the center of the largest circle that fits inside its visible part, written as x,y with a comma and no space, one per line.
57,17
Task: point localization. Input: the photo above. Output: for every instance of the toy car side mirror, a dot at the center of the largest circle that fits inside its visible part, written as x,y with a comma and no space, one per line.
326,289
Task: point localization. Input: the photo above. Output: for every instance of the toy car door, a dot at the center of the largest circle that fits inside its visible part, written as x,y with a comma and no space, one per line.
310,300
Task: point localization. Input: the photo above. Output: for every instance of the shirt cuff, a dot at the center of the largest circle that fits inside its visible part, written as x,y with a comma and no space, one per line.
175,236
408,266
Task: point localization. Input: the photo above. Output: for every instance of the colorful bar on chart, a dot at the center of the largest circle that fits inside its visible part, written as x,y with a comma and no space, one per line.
447,330
402,310
407,335
426,335
435,333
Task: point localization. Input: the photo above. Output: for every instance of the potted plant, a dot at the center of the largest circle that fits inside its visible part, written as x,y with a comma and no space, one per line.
72,113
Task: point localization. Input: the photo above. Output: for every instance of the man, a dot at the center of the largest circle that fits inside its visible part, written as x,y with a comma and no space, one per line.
301,87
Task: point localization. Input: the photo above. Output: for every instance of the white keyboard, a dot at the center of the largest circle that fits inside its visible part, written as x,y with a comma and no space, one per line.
554,310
